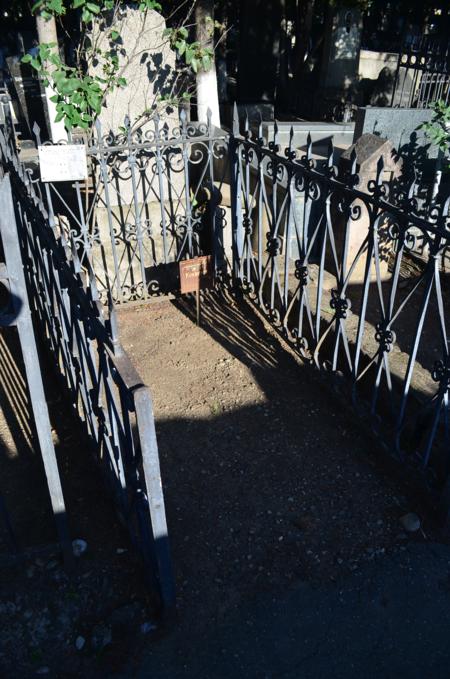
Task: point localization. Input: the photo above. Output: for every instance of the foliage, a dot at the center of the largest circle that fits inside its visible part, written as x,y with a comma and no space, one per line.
80,94
195,56
438,129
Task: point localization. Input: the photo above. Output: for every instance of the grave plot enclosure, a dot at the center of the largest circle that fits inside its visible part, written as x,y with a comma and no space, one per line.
353,277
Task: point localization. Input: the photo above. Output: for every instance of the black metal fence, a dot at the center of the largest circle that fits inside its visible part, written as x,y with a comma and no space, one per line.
151,200
357,284
104,388
423,74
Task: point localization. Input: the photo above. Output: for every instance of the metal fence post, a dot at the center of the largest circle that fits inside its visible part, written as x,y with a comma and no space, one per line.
235,190
150,463
18,291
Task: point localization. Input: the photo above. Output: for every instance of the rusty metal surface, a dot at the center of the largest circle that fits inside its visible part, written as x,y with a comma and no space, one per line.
196,274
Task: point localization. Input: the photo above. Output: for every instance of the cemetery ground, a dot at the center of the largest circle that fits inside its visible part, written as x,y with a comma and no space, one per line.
284,522
284,516
55,623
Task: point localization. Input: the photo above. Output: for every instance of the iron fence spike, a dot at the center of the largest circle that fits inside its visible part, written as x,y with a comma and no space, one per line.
330,153
291,136
235,120
380,168
309,146
98,129
37,133
208,120
246,120
330,147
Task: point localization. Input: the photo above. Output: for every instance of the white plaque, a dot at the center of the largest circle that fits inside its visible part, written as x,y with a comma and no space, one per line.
63,163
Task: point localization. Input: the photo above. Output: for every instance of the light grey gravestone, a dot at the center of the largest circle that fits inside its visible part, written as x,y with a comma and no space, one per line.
145,61
402,126
126,215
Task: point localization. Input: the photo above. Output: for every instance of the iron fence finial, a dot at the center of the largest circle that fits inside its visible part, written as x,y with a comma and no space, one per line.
353,161
37,133
309,146
235,120
330,158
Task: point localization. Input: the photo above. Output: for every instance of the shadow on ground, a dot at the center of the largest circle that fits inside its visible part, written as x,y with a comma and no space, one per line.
289,555
388,620
43,608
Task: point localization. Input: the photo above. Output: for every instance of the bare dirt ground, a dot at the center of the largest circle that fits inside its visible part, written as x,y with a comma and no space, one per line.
268,479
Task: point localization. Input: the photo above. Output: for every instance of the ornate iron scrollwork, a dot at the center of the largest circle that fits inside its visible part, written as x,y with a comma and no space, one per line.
247,223
301,273
441,373
340,305
385,337
273,245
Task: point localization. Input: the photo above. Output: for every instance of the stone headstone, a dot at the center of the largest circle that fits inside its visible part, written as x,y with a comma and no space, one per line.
383,88
28,96
400,125
148,65
145,61
258,52
339,71
369,149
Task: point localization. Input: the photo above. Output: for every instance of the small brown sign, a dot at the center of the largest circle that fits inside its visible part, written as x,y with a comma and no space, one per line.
196,274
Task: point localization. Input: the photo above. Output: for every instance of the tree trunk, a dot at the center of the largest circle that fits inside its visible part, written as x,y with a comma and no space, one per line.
207,95
46,29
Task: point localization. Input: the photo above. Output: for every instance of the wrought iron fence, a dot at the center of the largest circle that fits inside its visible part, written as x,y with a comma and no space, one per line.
357,284
423,74
105,389
152,199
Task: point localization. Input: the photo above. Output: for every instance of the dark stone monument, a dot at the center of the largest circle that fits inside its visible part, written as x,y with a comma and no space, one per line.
28,98
339,70
259,42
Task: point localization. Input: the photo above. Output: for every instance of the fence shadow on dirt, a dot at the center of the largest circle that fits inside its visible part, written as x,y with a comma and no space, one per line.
226,319
258,494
